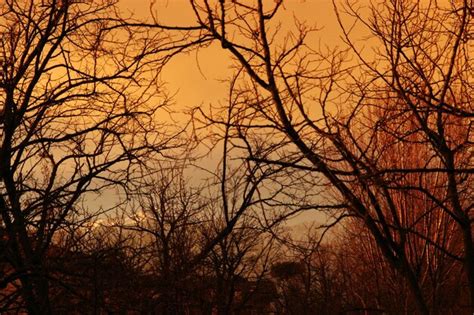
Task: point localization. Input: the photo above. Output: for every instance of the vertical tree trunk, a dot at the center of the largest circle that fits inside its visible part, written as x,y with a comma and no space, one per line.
417,293
36,294
469,261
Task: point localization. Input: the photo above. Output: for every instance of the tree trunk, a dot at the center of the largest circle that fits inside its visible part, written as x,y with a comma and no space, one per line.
415,289
36,294
469,261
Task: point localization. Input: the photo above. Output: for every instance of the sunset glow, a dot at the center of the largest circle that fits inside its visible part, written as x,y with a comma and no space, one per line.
236,157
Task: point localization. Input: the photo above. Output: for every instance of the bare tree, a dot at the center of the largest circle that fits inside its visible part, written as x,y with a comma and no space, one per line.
192,230
78,116
239,265
306,112
423,64
307,276
165,214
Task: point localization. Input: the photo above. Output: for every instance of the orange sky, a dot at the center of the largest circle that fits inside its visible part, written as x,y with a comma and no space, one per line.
200,85
183,74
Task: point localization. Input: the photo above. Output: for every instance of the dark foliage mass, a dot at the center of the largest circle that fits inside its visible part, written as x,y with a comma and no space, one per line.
113,201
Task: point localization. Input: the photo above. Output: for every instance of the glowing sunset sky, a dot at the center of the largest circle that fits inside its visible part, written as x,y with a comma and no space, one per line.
201,78
200,84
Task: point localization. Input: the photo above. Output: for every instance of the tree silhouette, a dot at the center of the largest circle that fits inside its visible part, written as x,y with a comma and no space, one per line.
309,110
78,117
